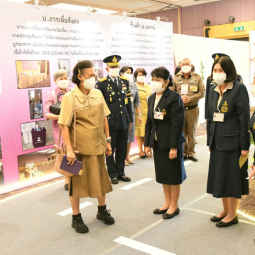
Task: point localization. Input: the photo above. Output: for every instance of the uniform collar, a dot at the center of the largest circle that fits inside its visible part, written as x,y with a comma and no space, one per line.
229,86
113,78
57,90
80,96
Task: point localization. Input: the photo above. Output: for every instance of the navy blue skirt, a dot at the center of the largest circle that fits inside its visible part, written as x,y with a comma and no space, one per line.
225,177
171,172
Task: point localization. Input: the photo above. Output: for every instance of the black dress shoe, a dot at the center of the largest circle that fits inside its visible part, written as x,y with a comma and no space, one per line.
124,178
192,159
66,187
216,219
185,158
115,180
158,211
170,216
222,224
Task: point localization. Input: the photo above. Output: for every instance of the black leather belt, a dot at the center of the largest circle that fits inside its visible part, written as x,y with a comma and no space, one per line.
190,107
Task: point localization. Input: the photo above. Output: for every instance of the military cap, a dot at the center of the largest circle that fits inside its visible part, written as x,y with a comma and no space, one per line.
112,60
219,55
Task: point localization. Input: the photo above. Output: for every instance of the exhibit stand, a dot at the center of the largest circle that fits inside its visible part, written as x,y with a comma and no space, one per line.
37,41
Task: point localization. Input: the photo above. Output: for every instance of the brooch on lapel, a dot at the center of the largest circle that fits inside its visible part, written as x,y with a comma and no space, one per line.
164,111
224,107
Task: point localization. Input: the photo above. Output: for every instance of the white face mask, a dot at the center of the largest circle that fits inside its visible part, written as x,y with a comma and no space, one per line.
186,69
63,84
157,86
127,75
141,79
114,72
89,83
219,78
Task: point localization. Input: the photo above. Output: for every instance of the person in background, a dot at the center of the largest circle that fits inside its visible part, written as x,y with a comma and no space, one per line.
60,78
210,82
91,129
228,139
178,68
115,90
191,88
164,133
39,107
127,72
144,93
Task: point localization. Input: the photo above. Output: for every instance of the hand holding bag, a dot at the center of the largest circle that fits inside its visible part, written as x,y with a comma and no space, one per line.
55,108
61,164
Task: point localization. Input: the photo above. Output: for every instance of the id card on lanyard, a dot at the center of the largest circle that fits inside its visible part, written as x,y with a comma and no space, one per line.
158,115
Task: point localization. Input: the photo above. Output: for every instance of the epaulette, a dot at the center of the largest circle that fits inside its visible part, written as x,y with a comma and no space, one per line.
177,74
238,74
103,79
124,78
196,74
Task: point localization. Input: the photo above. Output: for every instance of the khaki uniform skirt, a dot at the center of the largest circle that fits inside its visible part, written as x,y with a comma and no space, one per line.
94,181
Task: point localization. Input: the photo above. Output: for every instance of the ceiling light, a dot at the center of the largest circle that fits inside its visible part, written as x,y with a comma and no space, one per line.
231,19
81,8
207,22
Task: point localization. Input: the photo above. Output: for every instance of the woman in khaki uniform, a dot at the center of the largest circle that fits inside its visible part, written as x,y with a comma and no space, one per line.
144,93
91,143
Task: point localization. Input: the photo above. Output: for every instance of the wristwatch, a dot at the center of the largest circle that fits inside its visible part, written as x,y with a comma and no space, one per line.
140,114
109,139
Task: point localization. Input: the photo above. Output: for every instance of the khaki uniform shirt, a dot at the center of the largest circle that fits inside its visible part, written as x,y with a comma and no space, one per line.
91,111
217,89
196,87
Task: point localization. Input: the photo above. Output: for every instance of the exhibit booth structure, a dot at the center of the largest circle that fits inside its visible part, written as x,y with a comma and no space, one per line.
37,41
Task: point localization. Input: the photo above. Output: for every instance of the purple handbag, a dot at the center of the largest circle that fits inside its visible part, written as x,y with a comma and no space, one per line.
74,169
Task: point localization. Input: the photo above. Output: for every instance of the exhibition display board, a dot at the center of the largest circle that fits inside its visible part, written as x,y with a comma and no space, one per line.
35,42
252,68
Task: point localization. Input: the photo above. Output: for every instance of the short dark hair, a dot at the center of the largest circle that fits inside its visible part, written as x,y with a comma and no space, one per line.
228,67
138,70
79,69
162,72
125,68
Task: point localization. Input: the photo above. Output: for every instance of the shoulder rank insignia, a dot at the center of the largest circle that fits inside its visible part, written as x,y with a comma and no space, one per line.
103,79
196,74
124,78
178,74
224,107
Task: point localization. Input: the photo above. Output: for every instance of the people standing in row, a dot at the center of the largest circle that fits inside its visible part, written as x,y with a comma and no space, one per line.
115,90
164,133
228,140
127,71
210,82
60,78
144,93
191,88
91,129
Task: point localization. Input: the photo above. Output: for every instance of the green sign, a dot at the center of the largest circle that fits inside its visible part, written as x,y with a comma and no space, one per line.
242,28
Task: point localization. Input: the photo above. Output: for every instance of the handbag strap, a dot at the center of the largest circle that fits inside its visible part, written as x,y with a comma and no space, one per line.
74,133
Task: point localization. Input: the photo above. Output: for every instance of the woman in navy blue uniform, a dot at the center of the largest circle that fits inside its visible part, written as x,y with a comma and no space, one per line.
163,133
228,139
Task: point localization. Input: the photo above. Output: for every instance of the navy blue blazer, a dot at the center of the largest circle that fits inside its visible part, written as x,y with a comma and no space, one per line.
169,130
118,100
232,134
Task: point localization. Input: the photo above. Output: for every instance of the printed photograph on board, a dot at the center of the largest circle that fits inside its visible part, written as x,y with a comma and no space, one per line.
33,73
98,67
1,175
35,104
36,164
65,64
0,149
36,134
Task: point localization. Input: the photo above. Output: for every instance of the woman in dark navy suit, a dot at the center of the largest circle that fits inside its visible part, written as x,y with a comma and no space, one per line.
228,139
163,133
